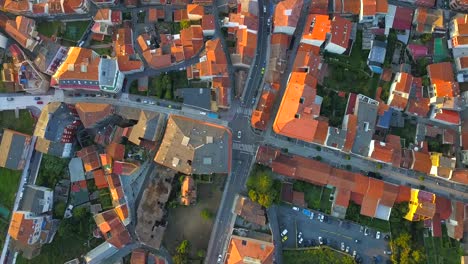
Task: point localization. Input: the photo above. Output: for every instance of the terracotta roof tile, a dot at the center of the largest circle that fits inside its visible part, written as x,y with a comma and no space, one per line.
352,6
316,28
241,248
419,107
421,162
460,176
443,79
342,197
261,115
287,13
340,31
99,179
91,113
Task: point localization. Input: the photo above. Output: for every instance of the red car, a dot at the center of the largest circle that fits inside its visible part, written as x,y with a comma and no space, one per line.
40,102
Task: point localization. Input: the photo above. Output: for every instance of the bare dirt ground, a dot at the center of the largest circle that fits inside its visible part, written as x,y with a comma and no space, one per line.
187,223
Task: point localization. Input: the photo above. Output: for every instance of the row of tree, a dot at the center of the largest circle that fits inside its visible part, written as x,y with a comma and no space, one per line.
262,188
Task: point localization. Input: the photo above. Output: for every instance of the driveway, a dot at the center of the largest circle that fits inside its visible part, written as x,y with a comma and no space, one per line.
334,232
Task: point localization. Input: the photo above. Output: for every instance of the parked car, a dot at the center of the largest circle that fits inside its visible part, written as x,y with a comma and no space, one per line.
285,231
342,246
220,258
284,238
362,229
294,207
37,98
299,235
239,134
320,239
354,253
377,235
387,252
300,240
145,101
40,102
347,249
311,215
10,98
366,231
306,212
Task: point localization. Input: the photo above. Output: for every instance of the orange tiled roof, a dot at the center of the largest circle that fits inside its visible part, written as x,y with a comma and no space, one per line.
80,64
188,191
194,9
460,176
208,22
421,162
112,228
381,6
90,158
382,152
241,248
369,7
261,115
352,6
442,78
19,29
16,6
138,257
287,13
317,27
180,15
419,107
99,179
91,113
102,14
297,112
221,86
21,228
351,130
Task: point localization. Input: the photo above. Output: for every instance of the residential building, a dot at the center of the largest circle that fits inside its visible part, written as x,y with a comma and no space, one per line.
365,109
84,69
127,61
188,191
23,30
150,128
30,79
442,166
427,21
456,221
100,253
286,16
400,91
443,88
316,30
299,109
93,115
37,199
458,5
46,8
108,17
50,56
444,116
55,129
195,147
398,18
421,161
208,26
112,229
244,249
195,12
14,147
340,33
249,210
376,57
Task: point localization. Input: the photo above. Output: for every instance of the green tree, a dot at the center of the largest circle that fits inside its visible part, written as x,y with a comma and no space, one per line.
80,213
318,148
184,247
421,178
253,195
264,182
184,24
59,210
201,253
168,94
206,214
318,158
399,211
425,37
348,167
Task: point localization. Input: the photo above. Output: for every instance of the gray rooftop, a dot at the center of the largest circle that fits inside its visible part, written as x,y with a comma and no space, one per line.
16,152
58,121
36,199
197,97
107,72
76,170
378,51
336,137
194,147
48,54
366,111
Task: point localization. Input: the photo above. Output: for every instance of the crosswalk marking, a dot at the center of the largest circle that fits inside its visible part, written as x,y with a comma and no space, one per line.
243,147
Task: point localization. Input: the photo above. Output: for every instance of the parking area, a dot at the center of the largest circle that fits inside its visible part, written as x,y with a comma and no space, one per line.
333,232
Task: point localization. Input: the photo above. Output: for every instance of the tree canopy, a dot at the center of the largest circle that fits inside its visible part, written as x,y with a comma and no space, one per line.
404,251
262,188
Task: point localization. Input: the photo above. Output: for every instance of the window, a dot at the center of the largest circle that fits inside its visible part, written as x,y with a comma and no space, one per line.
297,116
301,100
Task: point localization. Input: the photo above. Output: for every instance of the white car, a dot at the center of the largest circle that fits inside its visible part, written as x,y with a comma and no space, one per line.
300,240
239,134
320,240
220,258
312,216
295,208
152,103
377,235
354,253
145,101
299,235
284,232
347,249
342,246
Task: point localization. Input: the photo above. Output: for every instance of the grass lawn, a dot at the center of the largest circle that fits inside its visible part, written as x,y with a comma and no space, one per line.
442,250
134,89
9,182
48,28
320,255
104,51
316,197
3,230
24,124
408,132
75,30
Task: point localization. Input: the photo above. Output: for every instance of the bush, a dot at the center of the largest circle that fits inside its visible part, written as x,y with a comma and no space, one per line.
59,210
262,188
207,214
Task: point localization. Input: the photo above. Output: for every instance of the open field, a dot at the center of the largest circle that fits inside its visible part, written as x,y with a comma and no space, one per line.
187,223
23,124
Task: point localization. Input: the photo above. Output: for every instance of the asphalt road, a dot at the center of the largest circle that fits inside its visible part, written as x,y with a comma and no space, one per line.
333,231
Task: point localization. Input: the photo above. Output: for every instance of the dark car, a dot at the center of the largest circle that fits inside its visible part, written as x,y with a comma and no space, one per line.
37,98
40,102
10,98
